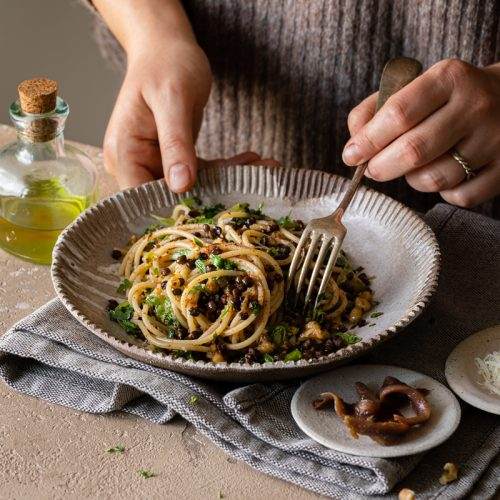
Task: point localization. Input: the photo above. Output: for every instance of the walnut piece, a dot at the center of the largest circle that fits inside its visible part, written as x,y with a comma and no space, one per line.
406,494
450,473
312,330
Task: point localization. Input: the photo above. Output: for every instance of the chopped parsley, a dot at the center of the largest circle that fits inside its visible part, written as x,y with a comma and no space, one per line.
221,263
294,355
197,288
207,214
200,265
287,222
197,241
124,285
278,334
191,202
162,309
376,314
152,228
255,308
348,337
116,449
194,399
155,271
178,253
268,358
146,473
123,314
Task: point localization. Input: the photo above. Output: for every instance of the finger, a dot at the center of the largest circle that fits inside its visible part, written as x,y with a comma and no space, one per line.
400,113
422,144
173,113
483,187
445,172
362,114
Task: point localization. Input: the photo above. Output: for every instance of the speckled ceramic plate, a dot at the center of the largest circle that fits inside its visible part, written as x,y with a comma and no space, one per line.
385,237
327,429
462,373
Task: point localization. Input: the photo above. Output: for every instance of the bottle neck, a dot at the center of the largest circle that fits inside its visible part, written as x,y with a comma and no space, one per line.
53,143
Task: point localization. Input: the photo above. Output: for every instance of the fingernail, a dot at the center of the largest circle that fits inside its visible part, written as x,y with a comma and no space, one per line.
351,154
179,177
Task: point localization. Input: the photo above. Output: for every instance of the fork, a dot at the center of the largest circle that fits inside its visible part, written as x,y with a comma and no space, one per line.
329,230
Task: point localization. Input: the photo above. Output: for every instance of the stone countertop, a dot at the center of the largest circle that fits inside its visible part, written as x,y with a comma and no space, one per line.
51,452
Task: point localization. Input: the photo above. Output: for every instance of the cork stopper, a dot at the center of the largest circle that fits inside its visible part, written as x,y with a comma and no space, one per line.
37,95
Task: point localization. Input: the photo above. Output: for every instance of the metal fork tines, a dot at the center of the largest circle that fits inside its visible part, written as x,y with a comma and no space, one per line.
327,234
320,237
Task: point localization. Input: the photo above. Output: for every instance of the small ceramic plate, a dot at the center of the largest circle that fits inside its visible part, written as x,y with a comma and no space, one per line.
385,237
462,373
327,429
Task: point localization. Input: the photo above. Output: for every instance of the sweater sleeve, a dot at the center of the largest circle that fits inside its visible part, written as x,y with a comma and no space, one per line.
109,46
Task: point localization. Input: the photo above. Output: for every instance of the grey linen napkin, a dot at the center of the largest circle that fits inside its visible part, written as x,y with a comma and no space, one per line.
51,356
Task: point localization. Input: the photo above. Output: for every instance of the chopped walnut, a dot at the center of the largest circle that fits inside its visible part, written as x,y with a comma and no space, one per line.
450,473
312,330
406,494
218,357
265,345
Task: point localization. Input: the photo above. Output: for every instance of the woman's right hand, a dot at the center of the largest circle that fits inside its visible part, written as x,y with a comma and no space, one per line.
157,116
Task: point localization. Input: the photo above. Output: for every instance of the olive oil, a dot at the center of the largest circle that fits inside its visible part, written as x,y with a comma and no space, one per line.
44,183
30,226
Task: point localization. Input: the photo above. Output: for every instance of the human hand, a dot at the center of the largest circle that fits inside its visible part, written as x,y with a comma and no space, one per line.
157,116
453,105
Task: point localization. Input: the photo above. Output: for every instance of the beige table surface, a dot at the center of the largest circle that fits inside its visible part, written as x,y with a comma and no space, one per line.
51,452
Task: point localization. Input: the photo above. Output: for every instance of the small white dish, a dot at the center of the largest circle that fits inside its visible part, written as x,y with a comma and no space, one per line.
327,429
462,373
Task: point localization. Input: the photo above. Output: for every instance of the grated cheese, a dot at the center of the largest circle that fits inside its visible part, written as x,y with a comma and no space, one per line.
489,369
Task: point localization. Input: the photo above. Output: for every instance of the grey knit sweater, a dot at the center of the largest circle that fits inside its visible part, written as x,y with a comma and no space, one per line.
287,72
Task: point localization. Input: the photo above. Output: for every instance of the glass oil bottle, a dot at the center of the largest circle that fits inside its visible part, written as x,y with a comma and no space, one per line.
44,183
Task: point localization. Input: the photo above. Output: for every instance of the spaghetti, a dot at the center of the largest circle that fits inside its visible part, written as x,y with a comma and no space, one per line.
209,283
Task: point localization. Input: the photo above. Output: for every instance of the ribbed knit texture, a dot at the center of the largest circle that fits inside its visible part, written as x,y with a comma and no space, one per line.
287,72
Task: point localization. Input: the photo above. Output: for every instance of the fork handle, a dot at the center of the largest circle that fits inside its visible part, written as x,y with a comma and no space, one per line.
397,73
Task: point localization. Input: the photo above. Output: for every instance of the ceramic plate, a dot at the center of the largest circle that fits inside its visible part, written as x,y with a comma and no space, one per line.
462,374
385,237
327,429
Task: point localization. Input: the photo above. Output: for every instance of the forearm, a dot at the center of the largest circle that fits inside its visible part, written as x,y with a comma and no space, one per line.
145,24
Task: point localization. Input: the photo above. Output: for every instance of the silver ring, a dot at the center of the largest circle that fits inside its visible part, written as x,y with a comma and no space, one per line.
463,163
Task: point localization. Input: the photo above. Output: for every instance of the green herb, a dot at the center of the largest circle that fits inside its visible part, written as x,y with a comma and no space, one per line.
197,288
225,310
221,263
268,358
155,271
152,228
193,400
287,223
197,241
146,473
164,221
376,314
318,315
191,202
278,334
149,256
178,253
124,285
207,214
122,314
200,265
294,355
240,207
116,449
162,309
255,308
372,324
348,337
183,354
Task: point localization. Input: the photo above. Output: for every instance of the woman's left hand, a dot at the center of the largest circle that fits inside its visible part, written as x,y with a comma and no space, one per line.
453,105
